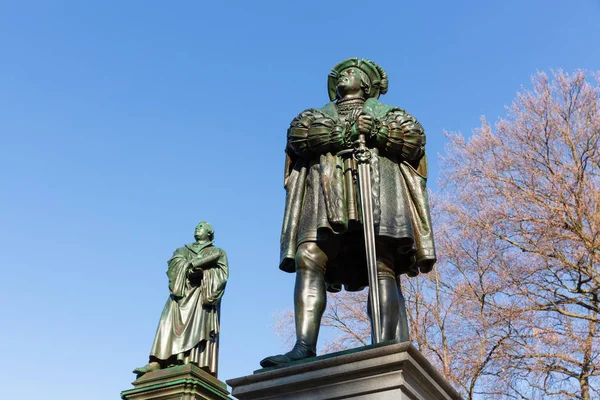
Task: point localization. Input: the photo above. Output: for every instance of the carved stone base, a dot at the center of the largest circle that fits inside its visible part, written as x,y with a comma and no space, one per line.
381,372
185,382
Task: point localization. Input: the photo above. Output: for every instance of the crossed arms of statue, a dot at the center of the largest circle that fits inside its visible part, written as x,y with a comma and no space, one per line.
206,259
209,269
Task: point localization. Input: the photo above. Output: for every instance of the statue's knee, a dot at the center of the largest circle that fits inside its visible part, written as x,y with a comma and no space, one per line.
385,269
310,257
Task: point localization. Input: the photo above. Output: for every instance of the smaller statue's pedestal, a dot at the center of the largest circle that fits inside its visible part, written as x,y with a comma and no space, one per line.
381,372
184,382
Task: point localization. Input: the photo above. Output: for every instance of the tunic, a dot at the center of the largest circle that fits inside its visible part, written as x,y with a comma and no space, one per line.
322,195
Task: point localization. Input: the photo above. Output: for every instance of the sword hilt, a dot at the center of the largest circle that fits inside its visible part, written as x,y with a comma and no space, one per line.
361,153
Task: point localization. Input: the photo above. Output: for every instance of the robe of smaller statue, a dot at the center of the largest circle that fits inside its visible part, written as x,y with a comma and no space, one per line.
189,325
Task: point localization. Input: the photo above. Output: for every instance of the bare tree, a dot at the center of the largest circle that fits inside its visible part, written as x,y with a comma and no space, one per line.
462,315
530,187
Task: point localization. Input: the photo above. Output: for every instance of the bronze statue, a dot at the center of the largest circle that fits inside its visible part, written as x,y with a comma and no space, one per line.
356,206
188,330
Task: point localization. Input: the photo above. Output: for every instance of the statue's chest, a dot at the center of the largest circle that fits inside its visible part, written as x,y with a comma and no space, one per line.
349,113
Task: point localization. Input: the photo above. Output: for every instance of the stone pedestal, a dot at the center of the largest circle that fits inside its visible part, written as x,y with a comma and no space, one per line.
394,371
185,382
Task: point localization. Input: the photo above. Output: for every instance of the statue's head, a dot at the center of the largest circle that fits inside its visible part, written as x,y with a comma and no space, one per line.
353,75
204,232
352,81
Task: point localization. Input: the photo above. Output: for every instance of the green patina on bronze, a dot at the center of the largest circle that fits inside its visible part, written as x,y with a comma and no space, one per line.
188,330
177,382
322,237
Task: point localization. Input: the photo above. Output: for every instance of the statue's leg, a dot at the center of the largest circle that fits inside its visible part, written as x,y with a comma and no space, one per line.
389,301
310,298
402,333
394,323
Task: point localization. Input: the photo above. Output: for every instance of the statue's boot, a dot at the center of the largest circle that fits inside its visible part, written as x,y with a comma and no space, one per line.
151,366
309,304
299,352
394,322
402,332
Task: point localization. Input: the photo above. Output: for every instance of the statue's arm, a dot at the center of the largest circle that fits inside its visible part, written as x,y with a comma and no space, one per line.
401,134
312,133
177,273
206,258
216,280
289,165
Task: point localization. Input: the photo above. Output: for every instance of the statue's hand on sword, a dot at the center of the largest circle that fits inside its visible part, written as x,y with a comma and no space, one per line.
365,124
360,124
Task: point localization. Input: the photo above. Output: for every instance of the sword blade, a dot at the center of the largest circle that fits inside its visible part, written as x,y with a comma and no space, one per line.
364,181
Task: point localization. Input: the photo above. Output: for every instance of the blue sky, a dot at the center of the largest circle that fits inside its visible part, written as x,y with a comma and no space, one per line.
124,123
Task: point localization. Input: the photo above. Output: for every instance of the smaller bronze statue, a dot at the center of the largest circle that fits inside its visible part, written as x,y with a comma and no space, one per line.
188,330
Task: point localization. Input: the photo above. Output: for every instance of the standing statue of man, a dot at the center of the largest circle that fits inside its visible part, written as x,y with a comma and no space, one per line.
188,331
322,237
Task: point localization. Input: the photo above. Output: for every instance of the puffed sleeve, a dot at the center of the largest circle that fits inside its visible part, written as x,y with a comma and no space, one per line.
311,132
401,134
